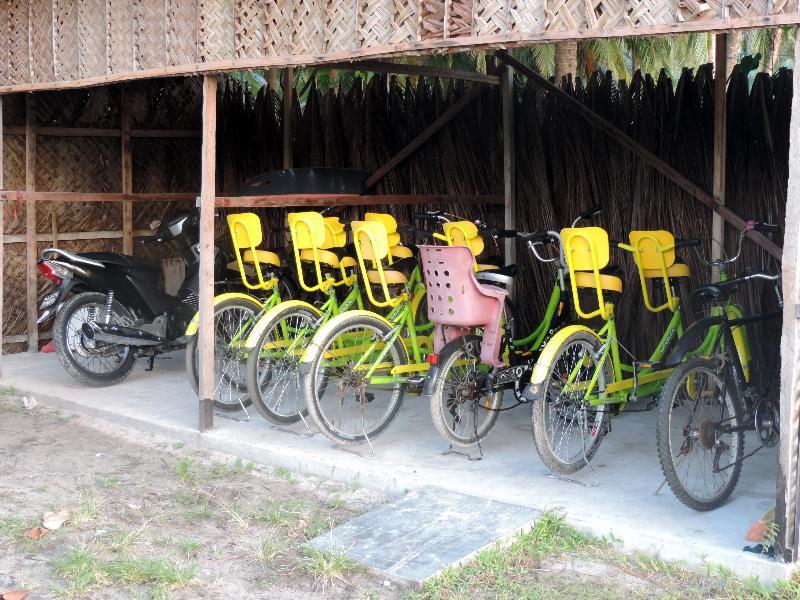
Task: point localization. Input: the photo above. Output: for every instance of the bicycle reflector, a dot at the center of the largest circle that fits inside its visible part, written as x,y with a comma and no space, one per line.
433,359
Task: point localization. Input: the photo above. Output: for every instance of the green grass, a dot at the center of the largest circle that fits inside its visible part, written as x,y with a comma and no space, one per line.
328,567
11,529
282,513
86,511
83,570
270,549
107,483
319,523
189,547
178,445
184,470
285,474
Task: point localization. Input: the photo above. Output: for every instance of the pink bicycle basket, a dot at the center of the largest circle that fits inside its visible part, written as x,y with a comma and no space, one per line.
457,303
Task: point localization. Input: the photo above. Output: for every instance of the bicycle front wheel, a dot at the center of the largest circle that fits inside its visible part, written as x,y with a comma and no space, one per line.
233,319
567,427
700,437
462,409
351,392
273,365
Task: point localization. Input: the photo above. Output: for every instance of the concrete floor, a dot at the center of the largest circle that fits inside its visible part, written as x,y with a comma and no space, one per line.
409,455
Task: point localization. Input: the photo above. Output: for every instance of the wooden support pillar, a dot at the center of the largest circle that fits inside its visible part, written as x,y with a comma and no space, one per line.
30,224
206,201
288,118
720,143
787,510
127,176
2,236
509,163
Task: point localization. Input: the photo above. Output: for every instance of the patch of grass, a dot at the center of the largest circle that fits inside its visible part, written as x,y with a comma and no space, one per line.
184,470
232,508
189,547
270,549
156,592
285,474
79,568
122,540
328,567
161,542
11,529
8,391
355,484
286,514
148,570
335,503
178,445
320,523
86,510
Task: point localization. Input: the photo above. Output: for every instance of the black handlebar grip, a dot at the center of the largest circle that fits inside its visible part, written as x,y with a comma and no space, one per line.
691,243
767,228
594,210
405,229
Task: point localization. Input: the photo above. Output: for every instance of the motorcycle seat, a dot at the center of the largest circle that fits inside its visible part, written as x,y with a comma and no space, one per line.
124,260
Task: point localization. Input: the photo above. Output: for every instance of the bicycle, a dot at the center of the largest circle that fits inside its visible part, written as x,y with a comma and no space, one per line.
580,376
466,387
261,272
709,401
277,341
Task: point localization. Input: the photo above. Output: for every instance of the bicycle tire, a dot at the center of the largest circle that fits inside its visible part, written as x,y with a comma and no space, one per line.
319,378
540,406
673,387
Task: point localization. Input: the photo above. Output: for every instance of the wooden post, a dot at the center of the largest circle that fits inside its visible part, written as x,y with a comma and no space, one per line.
207,195
127,176
288,118
509,163
787,511
2,237
720,143
30,224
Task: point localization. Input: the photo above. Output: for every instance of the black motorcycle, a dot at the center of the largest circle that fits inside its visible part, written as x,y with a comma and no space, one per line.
111,309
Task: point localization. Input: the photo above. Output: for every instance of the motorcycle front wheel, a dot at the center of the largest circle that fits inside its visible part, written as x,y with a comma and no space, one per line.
91,362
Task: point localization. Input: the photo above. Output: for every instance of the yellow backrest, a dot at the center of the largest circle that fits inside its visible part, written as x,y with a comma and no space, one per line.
308,231
464,233
335,235
587,249
654,250
372,244
246,234
389,222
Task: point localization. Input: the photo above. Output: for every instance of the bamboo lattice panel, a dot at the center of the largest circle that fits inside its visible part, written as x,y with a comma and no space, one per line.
80,42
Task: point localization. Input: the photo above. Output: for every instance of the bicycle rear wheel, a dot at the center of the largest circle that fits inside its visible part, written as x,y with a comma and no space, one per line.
348,407
567,429
700,438
273,365
463,412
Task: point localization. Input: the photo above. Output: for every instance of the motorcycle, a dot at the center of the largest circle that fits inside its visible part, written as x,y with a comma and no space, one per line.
111,308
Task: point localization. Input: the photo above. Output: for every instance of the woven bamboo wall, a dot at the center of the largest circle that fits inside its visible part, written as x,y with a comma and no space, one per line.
83,42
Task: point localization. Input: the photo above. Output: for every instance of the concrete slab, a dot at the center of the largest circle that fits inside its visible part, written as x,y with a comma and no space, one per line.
418,535
409,456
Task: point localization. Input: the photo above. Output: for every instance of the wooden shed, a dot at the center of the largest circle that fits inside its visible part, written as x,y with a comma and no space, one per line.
77,44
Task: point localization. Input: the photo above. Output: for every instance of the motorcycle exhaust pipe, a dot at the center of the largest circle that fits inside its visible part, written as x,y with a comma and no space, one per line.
119,334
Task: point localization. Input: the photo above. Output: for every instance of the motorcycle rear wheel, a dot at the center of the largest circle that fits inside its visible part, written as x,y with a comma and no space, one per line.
92,363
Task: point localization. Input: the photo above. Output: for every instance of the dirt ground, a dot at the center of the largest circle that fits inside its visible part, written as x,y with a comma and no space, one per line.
145,518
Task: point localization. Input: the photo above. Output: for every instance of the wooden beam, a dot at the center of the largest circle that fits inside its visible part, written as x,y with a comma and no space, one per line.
787,505
31,288
64,236
720,143
207,195
2,236
348,200
643,153
509,165
127,171
104,132
288,118
375,66
10,196
423,137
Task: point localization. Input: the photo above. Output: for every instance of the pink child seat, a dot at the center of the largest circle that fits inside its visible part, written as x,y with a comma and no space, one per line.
457,302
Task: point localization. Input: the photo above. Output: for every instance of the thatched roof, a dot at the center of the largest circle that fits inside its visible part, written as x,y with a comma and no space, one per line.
71,43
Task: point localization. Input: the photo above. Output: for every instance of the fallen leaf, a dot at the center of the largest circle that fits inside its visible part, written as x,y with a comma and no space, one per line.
54,520
35,533
20,595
